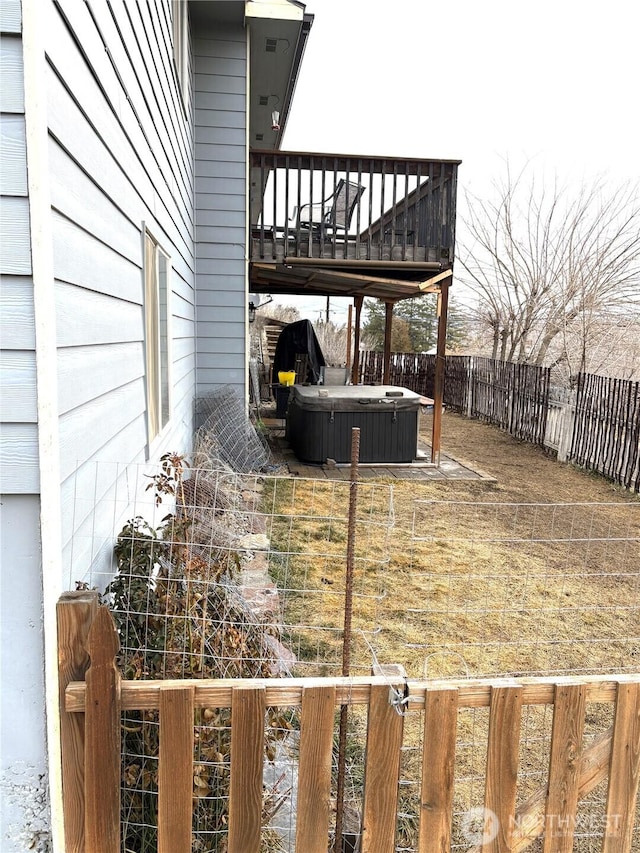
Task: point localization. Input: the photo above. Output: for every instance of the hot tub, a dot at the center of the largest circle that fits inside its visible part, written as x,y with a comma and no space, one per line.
319,422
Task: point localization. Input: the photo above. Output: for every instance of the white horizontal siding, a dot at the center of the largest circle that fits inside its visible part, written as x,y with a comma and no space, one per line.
82,259
10,16
141,65
87,372
11,74
85,431
119,115
14,236
107,159
121,153
225,295
95,494
86,318
17,329
220,65
75,195
102,494
19,470
18,386
13,161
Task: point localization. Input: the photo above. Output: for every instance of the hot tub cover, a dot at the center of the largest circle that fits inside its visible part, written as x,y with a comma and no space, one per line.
353,398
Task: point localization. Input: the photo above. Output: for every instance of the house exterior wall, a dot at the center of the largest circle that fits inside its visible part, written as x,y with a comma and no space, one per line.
121,160
220,92
24,816
24,812
113,137
18,418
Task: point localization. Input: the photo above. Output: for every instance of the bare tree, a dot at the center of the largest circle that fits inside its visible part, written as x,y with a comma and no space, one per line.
333,343
550,266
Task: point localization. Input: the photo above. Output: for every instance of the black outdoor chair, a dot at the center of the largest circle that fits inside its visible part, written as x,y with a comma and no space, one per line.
332,216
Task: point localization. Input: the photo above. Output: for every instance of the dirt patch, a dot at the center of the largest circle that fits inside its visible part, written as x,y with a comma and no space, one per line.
524,471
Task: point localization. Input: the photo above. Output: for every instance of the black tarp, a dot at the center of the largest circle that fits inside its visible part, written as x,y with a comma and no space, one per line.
298,339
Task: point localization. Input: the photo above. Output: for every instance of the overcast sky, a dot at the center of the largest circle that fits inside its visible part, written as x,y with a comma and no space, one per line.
556,81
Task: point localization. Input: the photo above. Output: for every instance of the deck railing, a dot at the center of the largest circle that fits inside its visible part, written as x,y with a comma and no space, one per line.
352,208
91,719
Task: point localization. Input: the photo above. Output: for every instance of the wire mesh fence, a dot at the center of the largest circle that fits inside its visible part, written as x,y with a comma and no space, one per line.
231,435
524,589
223,573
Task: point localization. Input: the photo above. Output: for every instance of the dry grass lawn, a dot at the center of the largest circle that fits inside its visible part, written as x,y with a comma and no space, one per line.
536,573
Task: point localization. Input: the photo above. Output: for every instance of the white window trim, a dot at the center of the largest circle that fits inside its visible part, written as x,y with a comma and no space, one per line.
156,429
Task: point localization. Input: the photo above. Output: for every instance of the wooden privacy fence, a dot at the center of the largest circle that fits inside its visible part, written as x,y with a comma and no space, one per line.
606,432
512,396
91,718
596,426
417,371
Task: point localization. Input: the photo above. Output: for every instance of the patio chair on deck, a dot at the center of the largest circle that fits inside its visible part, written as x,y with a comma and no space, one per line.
333,215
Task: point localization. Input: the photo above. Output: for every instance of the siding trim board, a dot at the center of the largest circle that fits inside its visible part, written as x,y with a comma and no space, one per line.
36,139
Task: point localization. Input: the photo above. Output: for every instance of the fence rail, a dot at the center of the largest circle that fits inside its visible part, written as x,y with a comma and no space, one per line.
576,767
596,426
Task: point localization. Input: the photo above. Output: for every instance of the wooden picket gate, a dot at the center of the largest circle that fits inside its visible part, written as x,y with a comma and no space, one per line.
92,698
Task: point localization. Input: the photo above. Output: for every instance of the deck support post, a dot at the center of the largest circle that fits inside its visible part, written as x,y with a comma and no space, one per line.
348,361
438,391
386,358
355,369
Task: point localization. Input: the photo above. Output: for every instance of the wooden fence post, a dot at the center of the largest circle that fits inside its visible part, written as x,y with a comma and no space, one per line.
382,769
247,759
102,739
75,614
566,430
175,769
502,764
438,763
624,771
470,383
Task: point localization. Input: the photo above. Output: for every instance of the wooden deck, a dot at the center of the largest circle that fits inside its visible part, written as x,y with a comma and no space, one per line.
356,208
353,249
421,469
